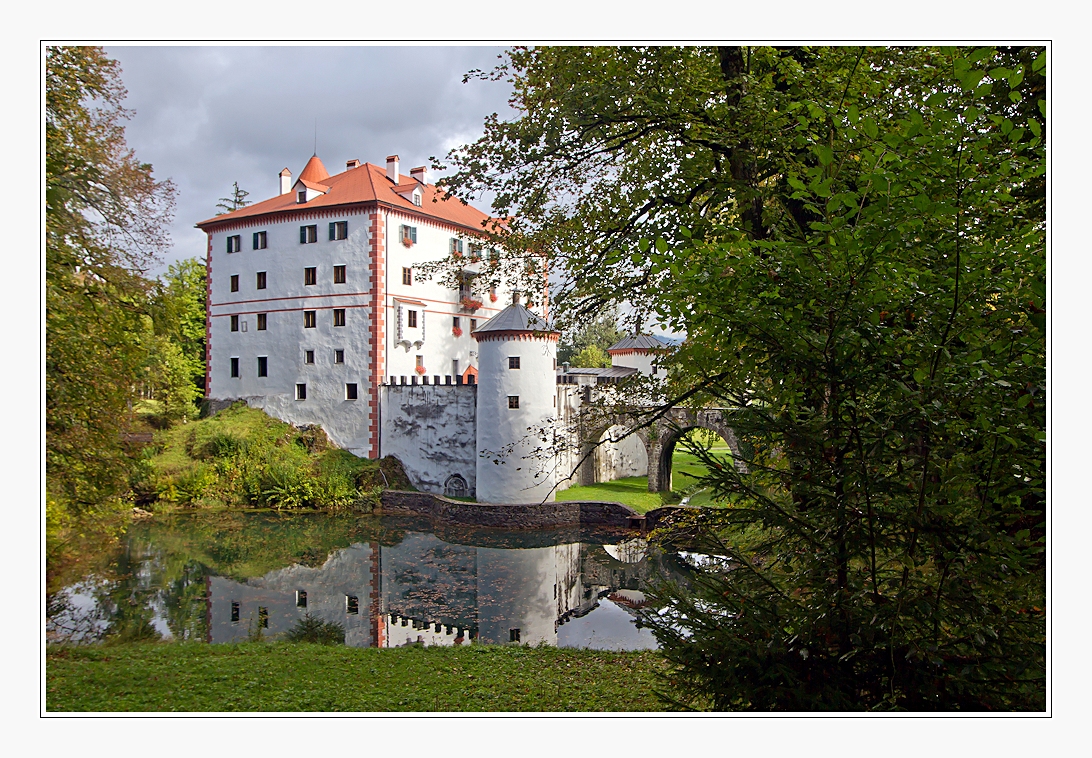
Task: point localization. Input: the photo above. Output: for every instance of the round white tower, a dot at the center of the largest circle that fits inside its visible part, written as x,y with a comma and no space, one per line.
517,390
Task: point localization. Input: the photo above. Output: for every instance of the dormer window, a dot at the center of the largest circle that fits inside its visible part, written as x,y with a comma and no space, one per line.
301,196
416,198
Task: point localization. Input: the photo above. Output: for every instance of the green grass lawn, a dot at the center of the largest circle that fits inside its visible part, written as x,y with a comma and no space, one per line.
282,676
633,490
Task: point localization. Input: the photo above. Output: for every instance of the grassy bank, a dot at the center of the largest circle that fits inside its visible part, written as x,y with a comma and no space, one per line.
686,470
283,676
243,457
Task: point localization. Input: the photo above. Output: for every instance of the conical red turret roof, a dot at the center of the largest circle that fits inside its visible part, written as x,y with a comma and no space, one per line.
314,171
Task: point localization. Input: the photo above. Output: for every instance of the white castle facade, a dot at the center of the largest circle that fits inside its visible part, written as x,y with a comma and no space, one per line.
317,314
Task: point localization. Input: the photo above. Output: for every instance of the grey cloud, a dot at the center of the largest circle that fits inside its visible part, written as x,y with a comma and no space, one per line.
209,116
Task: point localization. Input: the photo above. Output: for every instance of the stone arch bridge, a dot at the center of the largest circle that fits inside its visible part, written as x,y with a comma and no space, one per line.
658,438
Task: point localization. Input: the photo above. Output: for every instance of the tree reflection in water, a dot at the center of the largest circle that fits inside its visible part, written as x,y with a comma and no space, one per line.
385,582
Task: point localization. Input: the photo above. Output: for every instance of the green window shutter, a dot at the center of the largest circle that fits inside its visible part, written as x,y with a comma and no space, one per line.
303,235
333,227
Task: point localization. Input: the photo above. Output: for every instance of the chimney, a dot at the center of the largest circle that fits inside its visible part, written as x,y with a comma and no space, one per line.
351,164
420,174
392,168
286,181
515,297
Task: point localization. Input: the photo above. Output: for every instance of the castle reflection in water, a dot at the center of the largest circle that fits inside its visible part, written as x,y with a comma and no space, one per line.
430,592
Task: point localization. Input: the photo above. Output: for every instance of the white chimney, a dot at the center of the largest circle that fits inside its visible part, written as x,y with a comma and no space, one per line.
420,174
286,181
351,164
392,168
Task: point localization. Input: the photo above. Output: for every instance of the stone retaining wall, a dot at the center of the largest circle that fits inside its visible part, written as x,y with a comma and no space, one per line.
510,517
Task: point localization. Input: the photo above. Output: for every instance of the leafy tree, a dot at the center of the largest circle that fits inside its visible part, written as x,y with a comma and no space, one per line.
106,220
600,332
178,313
591,356
853,241
235,202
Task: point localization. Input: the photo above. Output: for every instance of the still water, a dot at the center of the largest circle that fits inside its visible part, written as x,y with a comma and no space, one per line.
388,582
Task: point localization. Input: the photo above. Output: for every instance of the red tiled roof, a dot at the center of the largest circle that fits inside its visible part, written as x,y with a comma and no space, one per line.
363,184
312,185
314,171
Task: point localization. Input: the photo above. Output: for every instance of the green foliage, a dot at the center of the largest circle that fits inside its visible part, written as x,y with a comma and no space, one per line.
284,676
106,219
315,630
853,241
599,333
241,456
178,314
591,356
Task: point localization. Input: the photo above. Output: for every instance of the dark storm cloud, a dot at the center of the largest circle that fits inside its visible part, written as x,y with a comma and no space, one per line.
209,116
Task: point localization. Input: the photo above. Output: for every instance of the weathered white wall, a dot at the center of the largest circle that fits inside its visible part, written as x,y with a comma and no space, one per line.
645,362
616,460
441,303
432,431
285,340
509,467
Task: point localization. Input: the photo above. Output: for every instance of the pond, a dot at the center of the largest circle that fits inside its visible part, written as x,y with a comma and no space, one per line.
388,582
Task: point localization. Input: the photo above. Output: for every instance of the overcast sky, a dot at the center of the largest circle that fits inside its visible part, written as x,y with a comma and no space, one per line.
209,116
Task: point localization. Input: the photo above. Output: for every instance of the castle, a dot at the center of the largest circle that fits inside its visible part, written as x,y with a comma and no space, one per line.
318,314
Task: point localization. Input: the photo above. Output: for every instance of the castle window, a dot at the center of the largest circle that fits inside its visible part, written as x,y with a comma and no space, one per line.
308,319
260,283
416,198
513,361
455,324
513,401
234,323
411,319
456,246
339,230
263,617
350,392
310,275
301,197
309,356
301,391
339,356
234,282
308,234
407,275
339,275
352,605
260,240
339,317
408,234
234,368
301,598
420,361
263,366
513,635
473,324
234,612
234,243
262,321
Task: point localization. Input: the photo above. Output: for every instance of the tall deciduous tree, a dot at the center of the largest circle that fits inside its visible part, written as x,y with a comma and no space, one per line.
853,241
106,220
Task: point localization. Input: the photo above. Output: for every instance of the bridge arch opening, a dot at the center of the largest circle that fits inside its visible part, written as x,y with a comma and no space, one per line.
714,437
618,460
